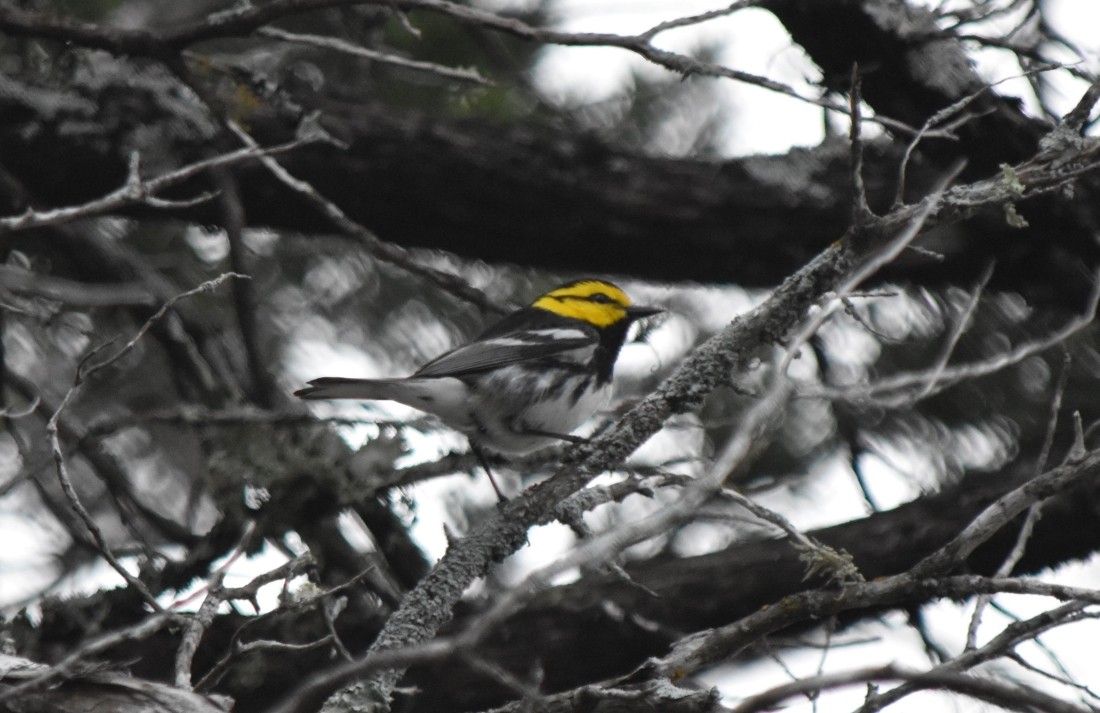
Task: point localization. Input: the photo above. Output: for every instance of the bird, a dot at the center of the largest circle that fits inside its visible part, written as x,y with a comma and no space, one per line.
525,382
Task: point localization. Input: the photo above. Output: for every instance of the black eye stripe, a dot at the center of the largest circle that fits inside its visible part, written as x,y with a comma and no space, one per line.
598,298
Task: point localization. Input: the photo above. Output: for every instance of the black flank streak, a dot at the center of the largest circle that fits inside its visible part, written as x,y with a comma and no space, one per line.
580,388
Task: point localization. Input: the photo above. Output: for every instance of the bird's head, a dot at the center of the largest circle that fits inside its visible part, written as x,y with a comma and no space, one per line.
599,303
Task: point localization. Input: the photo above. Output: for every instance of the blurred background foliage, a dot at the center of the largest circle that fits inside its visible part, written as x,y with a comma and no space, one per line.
181,443
324,298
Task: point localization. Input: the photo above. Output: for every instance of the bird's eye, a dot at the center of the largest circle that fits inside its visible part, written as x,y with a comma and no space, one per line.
601,298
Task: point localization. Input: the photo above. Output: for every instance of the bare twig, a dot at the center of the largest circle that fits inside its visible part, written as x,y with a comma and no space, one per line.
261,382
1006,567
378,248
1075,120
216,595
58,289
237,21
1033,513
1010,696
1013,635
144,191
70,663
861,210
338,45
640,44
195,415
237,647
947,120
698,651
891,390
819,558
962,323
52,429
242,21
193,631
997,515
698,19
1065,679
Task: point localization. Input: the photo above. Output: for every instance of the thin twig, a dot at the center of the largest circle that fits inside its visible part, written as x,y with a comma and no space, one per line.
237,647
138,190
892,390
65,667
699,19
961,325
378,248
699,651
1033,513
1011,696
52,430
947,119
58,289
1004,509
339,45
818,557
245,20
1012,635
861,210
217,594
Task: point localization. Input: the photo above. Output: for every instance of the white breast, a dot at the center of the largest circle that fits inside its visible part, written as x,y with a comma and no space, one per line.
516,401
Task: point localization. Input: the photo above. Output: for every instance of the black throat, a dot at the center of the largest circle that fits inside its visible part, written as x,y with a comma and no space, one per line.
611,341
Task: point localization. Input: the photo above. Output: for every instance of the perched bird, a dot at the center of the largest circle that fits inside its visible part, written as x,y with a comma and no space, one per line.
526,382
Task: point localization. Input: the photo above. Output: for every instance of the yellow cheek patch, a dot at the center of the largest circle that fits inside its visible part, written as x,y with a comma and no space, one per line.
598,315
575,302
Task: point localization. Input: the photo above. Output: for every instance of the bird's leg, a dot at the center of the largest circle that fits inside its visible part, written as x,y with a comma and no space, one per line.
484,461
569,437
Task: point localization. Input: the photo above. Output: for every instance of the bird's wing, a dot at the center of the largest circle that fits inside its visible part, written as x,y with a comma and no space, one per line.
504,349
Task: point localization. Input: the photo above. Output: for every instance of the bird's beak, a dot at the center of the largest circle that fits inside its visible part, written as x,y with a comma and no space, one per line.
637,312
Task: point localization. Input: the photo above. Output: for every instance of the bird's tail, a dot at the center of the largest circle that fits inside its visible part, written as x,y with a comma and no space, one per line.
336,387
